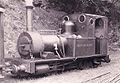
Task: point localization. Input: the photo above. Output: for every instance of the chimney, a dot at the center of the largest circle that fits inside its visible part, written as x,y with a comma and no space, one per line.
1,37
29,9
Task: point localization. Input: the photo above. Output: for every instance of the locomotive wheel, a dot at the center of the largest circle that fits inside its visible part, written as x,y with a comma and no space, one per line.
83,64
96,63
88,63
91,64
80,65
107,59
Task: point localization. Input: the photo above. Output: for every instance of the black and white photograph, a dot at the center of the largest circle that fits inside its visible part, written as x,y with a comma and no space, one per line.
59,41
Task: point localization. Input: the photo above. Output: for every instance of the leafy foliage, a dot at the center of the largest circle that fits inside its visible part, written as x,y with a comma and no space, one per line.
109,8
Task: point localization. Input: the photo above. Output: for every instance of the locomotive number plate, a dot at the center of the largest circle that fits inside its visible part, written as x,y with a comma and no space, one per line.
84,45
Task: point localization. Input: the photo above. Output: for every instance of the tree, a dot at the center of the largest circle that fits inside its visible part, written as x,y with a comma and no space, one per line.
109,8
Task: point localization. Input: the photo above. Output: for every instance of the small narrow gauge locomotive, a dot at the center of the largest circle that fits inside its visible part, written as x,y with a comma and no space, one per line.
81,41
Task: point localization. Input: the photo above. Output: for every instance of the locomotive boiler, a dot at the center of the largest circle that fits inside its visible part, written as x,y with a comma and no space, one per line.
32,44
81,42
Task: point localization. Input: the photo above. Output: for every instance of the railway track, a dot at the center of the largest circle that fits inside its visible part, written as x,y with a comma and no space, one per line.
111,73
107,77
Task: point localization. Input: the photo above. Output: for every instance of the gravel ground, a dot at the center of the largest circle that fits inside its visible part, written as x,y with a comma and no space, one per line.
106,73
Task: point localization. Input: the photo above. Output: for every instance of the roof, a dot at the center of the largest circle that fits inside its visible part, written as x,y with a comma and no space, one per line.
96,16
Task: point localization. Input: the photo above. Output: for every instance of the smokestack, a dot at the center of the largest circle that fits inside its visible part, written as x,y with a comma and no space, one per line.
29,9
1,37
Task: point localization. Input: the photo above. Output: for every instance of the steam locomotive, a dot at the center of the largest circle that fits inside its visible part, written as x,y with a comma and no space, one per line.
81,41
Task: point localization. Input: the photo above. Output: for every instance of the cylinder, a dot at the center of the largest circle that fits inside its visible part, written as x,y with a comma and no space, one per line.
42,69
1,37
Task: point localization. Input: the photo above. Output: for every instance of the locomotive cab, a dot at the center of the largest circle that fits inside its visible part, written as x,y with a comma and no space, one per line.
101,36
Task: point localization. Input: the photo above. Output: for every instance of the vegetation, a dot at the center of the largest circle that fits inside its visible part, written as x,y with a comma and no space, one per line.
109,8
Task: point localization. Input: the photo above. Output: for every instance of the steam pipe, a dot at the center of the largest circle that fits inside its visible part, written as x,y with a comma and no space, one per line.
29,9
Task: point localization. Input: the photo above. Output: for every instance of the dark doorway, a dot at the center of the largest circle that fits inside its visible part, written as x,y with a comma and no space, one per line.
99,33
